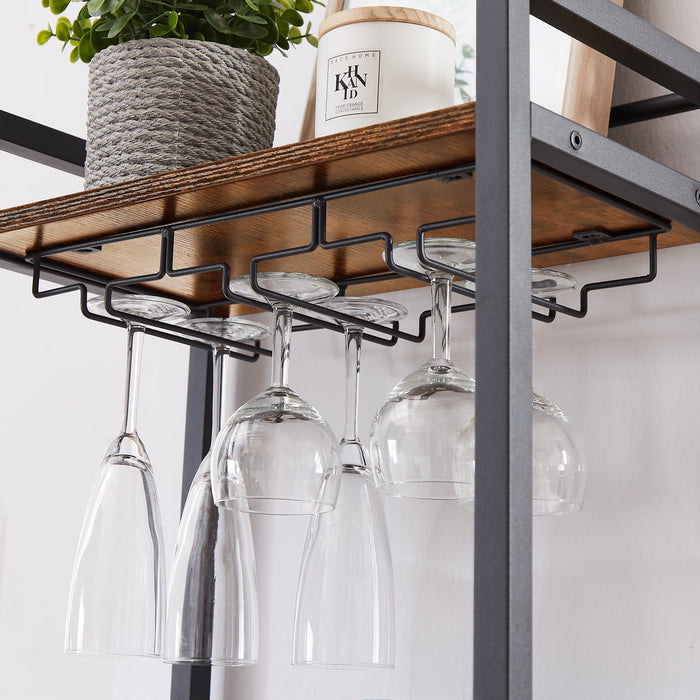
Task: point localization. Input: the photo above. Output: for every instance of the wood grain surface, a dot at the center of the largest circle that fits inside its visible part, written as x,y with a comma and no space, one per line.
589,86
404,147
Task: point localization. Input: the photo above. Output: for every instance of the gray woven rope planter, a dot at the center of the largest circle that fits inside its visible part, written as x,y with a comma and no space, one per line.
161,104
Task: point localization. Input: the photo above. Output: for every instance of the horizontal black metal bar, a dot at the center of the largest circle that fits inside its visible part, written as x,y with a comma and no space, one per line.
607,284
367,279
652,108
615,237
605,165
628,39
42,144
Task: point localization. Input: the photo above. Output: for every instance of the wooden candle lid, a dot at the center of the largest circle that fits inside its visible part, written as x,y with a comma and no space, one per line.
387,14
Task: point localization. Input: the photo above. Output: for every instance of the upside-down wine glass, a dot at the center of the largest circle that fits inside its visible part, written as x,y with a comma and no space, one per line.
117,590
212,611
558,454
345,598
276,454
416,442
558,460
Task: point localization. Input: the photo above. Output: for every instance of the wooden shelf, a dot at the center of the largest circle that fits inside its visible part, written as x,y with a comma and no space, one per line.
403,147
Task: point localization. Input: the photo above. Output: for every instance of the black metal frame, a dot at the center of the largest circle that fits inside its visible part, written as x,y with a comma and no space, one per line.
512,132
43,262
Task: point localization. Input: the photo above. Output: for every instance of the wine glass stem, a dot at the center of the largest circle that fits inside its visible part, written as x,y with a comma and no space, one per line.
134,347
441,288
353,342
281,339
218,357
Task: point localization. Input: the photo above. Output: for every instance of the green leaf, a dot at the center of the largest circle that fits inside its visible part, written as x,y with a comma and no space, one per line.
272,33
303,6
95,6
264,50
252,5
98,40
43,36
253,19
249,31
173,19
77,29
217,21
293,17
74,55
45,3
58,6
312,40
85,50
120,24
283,27
63,29
159,30
112,6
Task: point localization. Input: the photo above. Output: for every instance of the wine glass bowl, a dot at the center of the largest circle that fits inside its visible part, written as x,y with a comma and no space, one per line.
414,449
276,454
558,462
558,466
415,439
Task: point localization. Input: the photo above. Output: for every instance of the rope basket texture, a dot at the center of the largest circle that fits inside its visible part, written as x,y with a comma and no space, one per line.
162,104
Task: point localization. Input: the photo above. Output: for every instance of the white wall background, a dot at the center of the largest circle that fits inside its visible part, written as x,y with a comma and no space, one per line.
616,605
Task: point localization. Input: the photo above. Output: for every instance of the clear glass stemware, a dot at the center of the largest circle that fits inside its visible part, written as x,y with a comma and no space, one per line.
212,612
558,460
416,441
276,454
345,599
558,454
117,590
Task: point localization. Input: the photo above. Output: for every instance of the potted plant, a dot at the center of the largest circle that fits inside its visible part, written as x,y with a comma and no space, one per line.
176,82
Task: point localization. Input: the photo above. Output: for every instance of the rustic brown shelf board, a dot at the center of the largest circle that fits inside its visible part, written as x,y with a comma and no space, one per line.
403,147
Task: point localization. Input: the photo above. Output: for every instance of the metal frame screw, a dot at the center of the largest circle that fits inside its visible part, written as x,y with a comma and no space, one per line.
576,140
697,197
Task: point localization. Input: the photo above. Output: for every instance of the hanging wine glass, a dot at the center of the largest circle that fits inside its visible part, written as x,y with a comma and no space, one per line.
558,462
212,611
416,438
117,589
276,454
345,599
558,459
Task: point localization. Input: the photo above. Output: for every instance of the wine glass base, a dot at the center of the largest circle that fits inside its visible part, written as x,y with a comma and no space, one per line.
230,328
550,283
292,284
370,309
145,305
454,252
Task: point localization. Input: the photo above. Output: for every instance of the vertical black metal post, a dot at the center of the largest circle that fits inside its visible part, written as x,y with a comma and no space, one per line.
194,682
503,526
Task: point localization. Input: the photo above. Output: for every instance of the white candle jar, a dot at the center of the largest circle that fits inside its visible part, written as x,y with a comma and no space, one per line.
380,63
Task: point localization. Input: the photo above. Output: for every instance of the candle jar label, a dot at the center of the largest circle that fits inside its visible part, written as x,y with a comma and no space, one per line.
353,84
